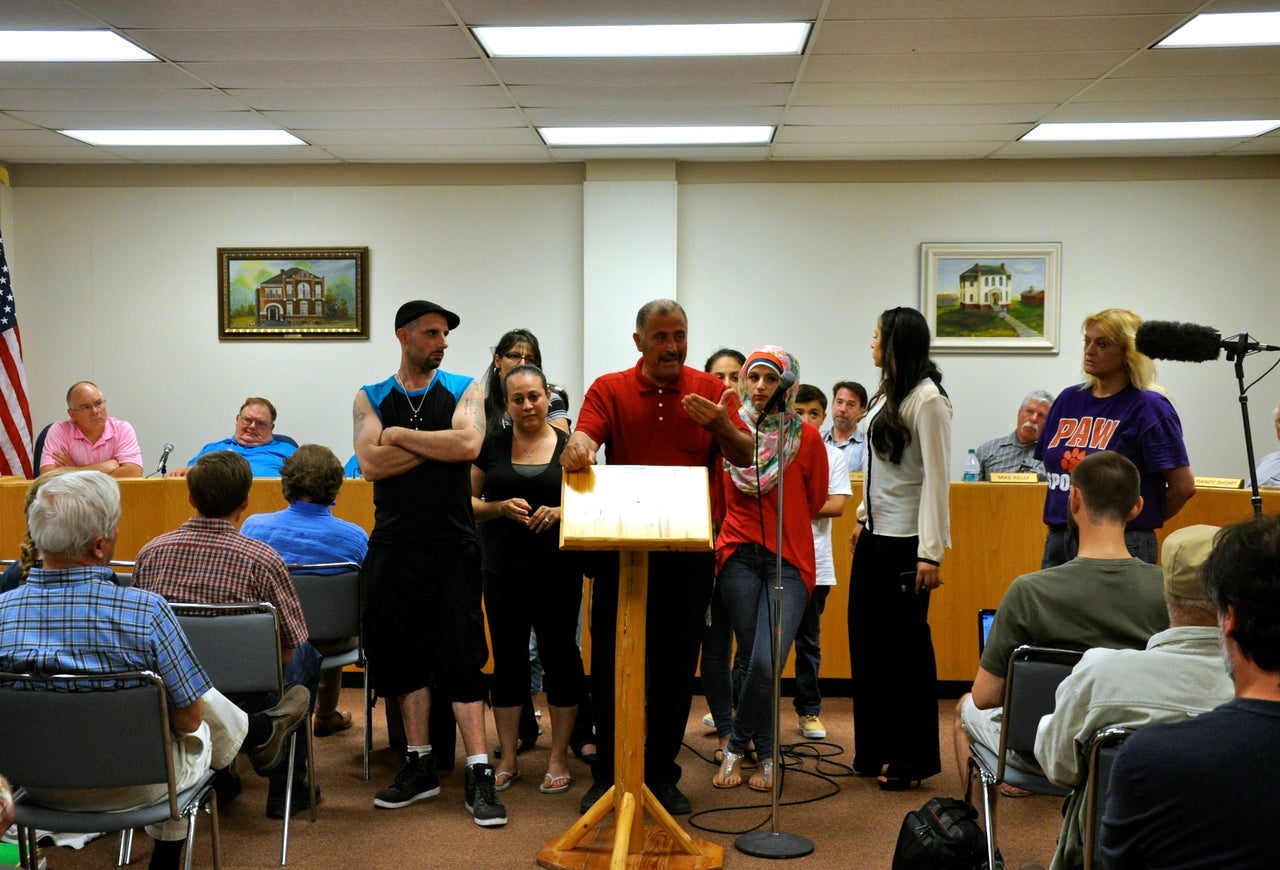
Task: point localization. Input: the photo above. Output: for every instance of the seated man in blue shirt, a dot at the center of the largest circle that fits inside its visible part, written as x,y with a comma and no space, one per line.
307,533
253,439
70,616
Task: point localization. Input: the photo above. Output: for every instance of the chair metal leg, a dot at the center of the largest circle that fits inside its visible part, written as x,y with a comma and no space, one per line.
988,785
124,851
191,814
368,722
288,801
311,768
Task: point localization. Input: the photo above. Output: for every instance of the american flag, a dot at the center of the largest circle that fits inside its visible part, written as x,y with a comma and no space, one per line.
15,413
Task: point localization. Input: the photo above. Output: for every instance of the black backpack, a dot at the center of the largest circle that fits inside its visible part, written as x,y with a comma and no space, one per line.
941,835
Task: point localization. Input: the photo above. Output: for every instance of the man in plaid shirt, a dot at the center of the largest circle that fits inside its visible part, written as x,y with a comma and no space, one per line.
70,616
207,561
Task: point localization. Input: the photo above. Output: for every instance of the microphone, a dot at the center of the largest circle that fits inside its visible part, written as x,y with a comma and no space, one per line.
785,382
162,467
1189,342
1184,342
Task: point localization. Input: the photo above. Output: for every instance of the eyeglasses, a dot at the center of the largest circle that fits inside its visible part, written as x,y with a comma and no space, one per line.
101,403
256,424
519,358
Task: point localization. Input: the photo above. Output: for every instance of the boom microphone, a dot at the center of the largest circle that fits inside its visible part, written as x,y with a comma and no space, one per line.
1184,342
786,381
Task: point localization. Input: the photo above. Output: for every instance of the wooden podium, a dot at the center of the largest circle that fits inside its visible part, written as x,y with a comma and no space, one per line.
633,509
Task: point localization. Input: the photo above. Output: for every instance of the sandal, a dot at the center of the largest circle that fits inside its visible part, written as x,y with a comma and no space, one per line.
331,723
763,778
555,784
1013,791
729,775
502,779
897,783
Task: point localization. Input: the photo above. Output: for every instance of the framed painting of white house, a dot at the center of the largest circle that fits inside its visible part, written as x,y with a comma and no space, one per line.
293,293
993,298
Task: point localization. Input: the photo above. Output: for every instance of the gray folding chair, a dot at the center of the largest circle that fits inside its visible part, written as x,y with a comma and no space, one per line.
330,596
1031,682
123,571
129,744
1103,748
239,646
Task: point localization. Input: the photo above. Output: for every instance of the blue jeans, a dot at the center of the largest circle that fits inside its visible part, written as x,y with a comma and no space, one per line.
746,586
722,670
302,670
808,700
1060,546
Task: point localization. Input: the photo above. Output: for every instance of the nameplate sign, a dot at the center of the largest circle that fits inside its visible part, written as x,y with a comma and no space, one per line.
1219,482
1014,477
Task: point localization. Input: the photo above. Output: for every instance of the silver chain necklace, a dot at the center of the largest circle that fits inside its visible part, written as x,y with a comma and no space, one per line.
421,401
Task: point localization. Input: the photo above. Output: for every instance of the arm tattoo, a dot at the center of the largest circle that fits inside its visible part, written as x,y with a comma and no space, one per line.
357,417
472,408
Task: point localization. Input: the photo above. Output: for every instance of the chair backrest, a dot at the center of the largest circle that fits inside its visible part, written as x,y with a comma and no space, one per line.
286,439
330,601
52,724
1103,748
1030,685
238,644
123,571
39,448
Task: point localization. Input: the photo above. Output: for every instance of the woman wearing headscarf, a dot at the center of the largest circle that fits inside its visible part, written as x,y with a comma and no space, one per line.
903,528
789,451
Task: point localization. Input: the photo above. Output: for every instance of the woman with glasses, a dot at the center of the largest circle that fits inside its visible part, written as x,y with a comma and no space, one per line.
518,347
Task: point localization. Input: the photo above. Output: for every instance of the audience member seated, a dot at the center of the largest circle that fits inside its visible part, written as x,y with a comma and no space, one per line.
1202,792
1016,452
307,533
1179,674
28,556
1102,598
207,561
71,616
848,407
90,440
1269,465
253,439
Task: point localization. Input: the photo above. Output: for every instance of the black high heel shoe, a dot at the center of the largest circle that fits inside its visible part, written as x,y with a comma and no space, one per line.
897,783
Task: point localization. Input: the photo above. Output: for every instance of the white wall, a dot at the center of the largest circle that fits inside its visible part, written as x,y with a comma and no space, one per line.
118,285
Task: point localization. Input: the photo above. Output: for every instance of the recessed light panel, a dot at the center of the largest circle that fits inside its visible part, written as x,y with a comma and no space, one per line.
1225,29
68,46
646,40
1105,132
122,138
594,136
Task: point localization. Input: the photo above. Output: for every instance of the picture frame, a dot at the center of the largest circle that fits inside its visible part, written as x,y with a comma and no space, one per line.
998,297
293,294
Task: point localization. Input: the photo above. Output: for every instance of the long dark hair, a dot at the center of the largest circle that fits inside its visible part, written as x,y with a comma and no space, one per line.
904,362
494,395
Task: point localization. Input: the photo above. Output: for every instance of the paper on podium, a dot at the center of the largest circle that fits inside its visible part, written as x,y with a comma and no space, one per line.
636,507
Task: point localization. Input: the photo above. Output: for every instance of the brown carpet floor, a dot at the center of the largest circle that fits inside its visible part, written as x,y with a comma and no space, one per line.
851,823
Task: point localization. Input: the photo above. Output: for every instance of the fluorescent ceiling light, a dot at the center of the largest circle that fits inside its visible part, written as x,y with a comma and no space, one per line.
1226,28
646,40
587,136
184,137
1149,130
68,45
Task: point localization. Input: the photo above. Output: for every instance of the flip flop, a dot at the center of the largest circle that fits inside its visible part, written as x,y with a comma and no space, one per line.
502,780
555,784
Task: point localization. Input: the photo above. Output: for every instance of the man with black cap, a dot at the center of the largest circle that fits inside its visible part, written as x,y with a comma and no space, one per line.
416,434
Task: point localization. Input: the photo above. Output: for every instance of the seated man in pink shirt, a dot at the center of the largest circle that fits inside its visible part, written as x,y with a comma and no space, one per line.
90,440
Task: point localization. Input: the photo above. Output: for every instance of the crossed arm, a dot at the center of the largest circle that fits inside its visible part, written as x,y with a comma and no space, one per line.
387,452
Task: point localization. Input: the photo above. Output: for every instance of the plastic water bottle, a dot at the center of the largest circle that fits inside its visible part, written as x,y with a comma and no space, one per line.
972,469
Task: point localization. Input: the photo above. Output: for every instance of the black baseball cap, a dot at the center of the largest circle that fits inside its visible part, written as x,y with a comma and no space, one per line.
411,311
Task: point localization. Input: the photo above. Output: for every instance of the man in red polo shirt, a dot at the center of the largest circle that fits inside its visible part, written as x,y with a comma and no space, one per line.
638,416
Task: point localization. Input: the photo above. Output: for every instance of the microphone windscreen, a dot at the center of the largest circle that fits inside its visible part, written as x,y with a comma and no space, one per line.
786,380
1183,342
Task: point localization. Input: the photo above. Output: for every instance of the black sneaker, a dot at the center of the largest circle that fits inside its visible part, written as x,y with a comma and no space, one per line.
593,794
415,781
482,799
671,798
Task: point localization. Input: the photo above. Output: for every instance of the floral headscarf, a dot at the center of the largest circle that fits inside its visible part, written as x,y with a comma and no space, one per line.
778,434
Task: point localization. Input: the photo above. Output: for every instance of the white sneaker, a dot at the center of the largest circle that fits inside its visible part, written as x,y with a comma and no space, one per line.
811,727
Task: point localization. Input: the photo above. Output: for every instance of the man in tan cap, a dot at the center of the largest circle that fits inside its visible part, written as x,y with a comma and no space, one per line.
1179,674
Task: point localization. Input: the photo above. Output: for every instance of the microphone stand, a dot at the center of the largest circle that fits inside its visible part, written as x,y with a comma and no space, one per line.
1237,354
774,843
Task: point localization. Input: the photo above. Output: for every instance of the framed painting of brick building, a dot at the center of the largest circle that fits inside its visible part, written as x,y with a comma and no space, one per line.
293,293
1000,297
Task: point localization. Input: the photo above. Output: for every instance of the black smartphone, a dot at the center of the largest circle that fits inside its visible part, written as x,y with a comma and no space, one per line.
907,582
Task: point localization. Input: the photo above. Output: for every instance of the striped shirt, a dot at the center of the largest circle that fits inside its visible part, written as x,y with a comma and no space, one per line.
208,562
79,620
